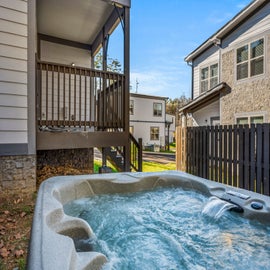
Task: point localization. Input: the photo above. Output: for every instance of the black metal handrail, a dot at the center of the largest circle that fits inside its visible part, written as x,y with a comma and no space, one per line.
135,153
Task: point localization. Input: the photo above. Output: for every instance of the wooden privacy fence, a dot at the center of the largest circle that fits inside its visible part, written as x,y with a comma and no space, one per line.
233,155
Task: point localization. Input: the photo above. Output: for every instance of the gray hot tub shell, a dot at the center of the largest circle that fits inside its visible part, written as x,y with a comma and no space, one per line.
52,246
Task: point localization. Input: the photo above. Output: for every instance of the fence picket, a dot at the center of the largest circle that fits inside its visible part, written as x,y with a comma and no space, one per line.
216,153
259,159
230,151
211,153
266,149
246,158
234,155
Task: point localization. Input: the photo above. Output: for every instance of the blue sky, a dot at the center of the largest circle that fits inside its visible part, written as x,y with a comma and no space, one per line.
163,33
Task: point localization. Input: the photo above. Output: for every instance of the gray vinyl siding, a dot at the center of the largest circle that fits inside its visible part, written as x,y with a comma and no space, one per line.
13,72
211,56
252,28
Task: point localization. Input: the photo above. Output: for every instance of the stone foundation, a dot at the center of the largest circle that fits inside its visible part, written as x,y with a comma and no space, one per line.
18,173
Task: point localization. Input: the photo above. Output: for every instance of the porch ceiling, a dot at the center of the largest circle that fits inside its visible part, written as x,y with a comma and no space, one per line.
204,99
79,20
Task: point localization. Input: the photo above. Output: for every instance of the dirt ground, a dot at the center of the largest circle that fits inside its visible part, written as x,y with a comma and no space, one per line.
16,214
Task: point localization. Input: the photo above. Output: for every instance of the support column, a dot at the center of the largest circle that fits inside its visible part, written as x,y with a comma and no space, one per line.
127,82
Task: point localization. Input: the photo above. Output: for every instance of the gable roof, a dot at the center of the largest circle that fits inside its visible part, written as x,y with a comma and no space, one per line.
238,19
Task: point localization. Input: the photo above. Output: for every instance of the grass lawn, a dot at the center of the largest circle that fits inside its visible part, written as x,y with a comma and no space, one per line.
157,167
147,166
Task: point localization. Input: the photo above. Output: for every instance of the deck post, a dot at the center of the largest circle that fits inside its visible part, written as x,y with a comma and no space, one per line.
127,151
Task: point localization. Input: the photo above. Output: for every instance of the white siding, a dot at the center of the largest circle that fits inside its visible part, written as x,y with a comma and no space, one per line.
203,117
211,56
8,137
13,71
57,53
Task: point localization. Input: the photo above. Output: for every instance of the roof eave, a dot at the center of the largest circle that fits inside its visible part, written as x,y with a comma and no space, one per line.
238,18
200,100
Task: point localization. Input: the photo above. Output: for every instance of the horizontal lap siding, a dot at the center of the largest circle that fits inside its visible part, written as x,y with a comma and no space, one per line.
13,71
211,56
256,25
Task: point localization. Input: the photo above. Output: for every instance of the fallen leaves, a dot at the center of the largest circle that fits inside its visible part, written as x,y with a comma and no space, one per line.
18,253
15,224
50,171
22,214
4,252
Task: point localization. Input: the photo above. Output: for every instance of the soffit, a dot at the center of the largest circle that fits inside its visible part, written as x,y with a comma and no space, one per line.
204,99
75,20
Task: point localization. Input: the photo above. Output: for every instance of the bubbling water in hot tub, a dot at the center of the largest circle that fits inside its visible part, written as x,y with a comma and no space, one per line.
172,228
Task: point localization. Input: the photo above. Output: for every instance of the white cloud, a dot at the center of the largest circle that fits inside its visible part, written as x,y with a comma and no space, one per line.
169,82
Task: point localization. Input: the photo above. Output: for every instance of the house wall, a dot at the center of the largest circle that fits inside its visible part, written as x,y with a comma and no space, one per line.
66,55
203,116
17,132
58,53
13,72
249,96
246,97
143,119
211,56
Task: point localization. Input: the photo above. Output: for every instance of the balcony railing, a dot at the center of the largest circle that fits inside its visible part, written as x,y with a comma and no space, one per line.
79,98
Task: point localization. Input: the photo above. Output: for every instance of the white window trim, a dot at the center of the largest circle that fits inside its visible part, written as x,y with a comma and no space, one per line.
248,42
200,72
131,102
250,115
158,133
154,109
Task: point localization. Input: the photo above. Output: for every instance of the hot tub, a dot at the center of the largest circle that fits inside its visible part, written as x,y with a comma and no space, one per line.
57,238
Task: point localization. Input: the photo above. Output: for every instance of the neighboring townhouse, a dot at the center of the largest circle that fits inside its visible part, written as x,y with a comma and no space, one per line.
54,106
148,120
230,72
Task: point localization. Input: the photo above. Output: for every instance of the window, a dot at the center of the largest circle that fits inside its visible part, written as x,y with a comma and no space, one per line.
249,120
215,121
154,133
209,77
157,109
250,60
131,107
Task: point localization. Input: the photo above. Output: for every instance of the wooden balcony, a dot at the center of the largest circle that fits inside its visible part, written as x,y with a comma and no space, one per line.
79,107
